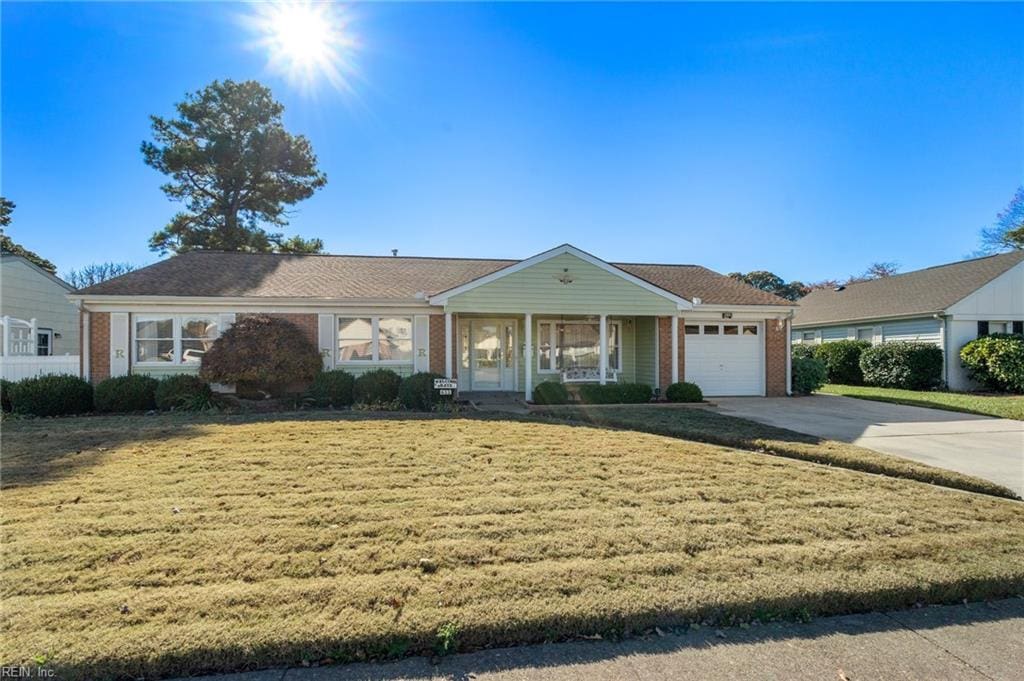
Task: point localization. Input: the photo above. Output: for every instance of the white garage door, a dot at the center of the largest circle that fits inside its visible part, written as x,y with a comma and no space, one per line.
725,358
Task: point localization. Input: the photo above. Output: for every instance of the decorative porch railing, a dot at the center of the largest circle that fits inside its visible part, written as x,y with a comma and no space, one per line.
589,375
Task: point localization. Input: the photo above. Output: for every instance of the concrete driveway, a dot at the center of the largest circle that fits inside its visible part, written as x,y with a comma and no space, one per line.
982,446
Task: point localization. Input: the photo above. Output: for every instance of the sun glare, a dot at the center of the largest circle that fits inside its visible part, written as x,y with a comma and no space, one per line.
306,42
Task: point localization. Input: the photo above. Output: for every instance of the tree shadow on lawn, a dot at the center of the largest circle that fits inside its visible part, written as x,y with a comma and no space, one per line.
43,450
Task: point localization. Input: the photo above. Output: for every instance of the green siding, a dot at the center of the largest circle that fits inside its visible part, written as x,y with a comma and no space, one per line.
536,289
164,371
646,360
360,369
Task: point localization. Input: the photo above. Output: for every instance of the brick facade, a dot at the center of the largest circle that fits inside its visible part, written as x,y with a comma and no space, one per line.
665,352
775,380
99,346
436,340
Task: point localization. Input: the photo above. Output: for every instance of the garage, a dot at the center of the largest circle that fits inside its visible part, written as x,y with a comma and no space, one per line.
725,358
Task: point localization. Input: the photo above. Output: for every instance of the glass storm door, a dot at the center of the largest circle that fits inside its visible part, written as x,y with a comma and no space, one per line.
492,357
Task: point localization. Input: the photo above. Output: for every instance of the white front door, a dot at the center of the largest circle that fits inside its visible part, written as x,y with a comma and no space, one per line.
725,358
492,353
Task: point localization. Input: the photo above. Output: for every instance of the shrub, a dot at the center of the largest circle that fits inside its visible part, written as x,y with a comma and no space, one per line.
51,396
802,350
417,392
842,360
684,392
615,393
809,374
183,392
333,389
996,361
262,353
136,392
550,392
379,386
5,395
912,366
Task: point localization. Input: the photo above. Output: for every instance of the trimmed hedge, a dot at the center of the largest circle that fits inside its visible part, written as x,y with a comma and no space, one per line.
996,361
417,392
842,360
907,365
333,389
802,350
550,392
260,352
684,392
135,392
51,396
5,395
376,387
615,393
809,374
183,392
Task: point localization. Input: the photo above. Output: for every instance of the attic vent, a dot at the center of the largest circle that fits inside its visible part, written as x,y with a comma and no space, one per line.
839,288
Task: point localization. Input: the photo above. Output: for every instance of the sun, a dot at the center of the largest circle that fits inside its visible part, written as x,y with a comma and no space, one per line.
306,42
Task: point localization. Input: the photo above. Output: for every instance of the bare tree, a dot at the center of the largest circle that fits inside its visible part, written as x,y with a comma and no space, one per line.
90,275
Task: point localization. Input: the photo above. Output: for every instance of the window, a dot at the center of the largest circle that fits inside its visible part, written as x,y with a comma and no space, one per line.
174,339
691,329
996,327
750,329
807,336
731,330
154,340
711,329
375,339
44,342
395,339
866,334
576,345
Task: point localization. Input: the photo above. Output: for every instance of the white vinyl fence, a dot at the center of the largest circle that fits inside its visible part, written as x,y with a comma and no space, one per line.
19,367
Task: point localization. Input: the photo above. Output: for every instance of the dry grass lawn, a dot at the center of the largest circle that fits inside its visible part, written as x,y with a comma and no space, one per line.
707,425
1002,406
157,546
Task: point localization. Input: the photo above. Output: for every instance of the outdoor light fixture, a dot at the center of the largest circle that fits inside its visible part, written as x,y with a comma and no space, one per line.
727,315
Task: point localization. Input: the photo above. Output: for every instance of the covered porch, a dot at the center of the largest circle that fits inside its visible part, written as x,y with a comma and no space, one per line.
515,352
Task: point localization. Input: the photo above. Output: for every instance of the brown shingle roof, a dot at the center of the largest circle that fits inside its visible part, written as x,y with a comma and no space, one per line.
339,277
926,291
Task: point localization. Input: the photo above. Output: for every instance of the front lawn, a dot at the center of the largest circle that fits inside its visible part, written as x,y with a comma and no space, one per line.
171,545
1003,406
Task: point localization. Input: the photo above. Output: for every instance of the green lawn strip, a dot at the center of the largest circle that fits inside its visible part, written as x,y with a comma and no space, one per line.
706,425
1002,406
170,545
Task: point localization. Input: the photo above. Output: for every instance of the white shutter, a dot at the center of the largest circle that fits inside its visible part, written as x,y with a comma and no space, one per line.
421,343
327,339
119,344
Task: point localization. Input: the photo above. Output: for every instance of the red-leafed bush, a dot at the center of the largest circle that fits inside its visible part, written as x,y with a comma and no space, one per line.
262,353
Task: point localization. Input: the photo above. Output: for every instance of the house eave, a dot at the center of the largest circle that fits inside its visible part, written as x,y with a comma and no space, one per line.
867,320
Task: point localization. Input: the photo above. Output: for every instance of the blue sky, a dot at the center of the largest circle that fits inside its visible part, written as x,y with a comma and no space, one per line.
806,139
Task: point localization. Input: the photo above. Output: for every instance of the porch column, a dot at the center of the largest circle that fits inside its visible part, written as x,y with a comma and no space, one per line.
675,348
7,336
448,344
603,360
528,357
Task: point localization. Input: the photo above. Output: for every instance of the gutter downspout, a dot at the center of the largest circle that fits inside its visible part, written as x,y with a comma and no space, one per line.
789,354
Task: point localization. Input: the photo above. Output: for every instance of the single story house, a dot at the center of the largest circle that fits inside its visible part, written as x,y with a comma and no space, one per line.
494,325
948,305
27,293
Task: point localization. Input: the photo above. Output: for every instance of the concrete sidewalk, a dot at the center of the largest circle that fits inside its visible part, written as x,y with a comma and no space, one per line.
976,641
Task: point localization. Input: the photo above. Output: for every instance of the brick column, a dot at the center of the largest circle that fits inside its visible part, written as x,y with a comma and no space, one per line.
775,357
99,346
437,344
665,352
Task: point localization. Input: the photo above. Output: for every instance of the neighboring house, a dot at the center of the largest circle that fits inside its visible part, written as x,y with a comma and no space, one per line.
500,325
29,292
948,305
